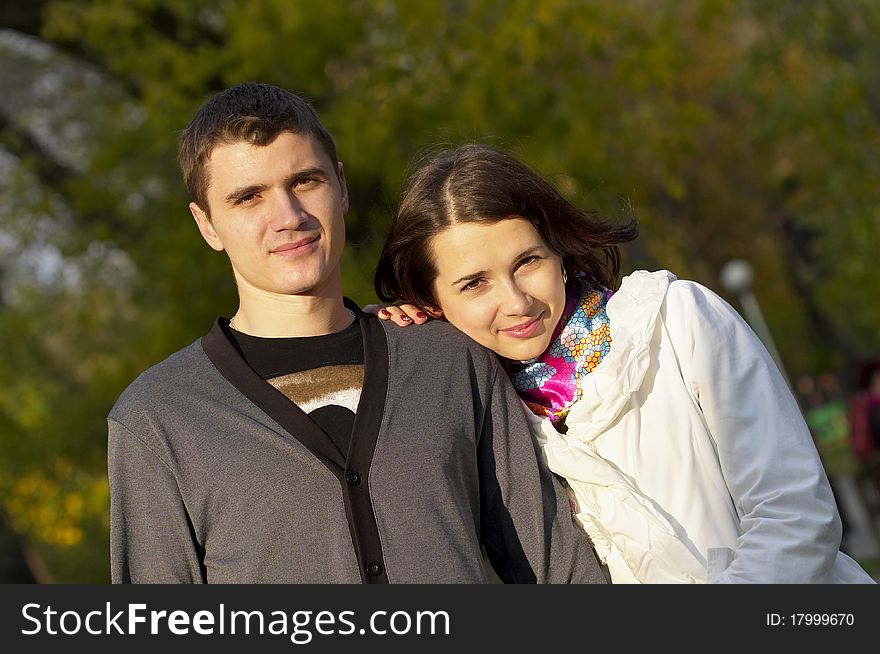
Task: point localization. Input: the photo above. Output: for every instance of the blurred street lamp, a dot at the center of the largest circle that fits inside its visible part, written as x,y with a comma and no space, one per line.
737,276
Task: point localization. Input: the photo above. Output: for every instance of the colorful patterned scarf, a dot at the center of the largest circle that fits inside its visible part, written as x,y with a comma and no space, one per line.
551,383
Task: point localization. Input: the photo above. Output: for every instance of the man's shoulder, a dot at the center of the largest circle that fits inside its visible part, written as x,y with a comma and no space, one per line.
435,360
169,378
436,338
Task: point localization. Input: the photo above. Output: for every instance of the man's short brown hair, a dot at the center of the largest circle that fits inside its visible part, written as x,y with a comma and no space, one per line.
251,112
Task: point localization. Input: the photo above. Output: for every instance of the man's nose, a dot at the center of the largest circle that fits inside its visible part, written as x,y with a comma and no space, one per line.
287,212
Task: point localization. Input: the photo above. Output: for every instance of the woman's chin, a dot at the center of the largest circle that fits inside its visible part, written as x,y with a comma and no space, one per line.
528,349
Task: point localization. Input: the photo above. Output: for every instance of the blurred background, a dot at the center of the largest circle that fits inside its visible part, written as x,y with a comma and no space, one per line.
744,130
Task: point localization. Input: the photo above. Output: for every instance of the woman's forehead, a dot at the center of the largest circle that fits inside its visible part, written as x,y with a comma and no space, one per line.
464,245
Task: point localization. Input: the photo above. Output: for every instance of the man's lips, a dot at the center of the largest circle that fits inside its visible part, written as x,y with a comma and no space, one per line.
294,247
524,330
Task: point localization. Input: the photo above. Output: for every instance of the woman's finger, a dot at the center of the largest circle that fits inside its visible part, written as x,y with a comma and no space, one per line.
415,314
397,315
403,315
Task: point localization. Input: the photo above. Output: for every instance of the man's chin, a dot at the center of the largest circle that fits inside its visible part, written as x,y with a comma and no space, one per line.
309,284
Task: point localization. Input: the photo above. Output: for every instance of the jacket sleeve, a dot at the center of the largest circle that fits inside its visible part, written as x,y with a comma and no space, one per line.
526,523
790,528
151,535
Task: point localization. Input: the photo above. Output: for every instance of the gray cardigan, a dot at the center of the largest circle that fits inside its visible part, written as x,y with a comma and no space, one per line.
216,477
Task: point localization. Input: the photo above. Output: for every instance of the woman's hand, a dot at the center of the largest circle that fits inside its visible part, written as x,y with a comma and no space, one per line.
403,315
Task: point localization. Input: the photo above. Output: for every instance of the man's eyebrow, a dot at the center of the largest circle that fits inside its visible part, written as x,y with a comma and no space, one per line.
243,192
311,171
522,255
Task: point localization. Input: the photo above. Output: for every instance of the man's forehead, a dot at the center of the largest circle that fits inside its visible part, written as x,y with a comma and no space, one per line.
294,146
230,162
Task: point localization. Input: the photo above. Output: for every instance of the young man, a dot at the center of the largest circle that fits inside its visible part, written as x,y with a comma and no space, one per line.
302,441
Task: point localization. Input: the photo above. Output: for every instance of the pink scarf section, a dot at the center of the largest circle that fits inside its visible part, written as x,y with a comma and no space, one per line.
551,383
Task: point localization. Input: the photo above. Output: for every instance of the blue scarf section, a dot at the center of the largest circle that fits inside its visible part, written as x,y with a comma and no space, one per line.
551,383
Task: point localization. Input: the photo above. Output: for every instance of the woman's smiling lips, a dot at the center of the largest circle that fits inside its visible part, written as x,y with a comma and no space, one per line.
524,330
295,247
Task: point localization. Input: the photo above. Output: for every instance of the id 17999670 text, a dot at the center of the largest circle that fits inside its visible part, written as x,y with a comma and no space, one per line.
810,620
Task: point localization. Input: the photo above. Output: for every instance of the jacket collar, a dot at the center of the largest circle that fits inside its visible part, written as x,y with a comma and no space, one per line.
633,312
227,359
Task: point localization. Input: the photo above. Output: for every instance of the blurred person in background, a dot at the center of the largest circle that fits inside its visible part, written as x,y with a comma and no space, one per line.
864,422
864,412
825,412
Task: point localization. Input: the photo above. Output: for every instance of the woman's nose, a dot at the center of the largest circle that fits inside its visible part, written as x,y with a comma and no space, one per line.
516,301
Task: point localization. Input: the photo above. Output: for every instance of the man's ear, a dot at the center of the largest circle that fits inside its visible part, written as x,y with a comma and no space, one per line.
340,173
205,227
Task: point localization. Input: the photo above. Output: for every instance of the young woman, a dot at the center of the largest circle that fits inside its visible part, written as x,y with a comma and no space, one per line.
686,456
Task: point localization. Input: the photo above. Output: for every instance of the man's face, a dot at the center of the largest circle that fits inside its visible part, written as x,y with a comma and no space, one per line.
278,211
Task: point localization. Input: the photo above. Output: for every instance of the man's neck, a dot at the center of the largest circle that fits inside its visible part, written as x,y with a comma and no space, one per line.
270,315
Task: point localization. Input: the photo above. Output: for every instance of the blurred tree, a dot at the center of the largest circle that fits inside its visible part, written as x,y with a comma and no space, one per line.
737,130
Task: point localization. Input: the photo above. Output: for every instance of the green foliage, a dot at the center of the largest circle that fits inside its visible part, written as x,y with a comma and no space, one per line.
737,129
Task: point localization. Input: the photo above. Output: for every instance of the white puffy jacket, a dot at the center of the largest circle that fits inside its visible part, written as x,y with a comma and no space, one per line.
688,455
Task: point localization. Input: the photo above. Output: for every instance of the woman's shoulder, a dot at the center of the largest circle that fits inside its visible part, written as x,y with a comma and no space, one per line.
700,306
686,307
642,286
690,311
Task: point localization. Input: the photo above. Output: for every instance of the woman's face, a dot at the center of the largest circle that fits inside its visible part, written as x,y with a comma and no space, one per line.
500,284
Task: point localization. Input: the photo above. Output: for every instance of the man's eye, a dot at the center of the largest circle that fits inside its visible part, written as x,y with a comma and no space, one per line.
247,199
305,182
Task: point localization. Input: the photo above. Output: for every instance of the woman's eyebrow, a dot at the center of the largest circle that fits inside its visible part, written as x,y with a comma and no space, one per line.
529,252
468,278
522,255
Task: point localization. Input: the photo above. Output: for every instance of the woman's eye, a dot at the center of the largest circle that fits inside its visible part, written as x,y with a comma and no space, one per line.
527,260
473,284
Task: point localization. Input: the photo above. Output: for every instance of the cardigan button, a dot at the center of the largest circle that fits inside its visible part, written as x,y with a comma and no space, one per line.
352,478
374,568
